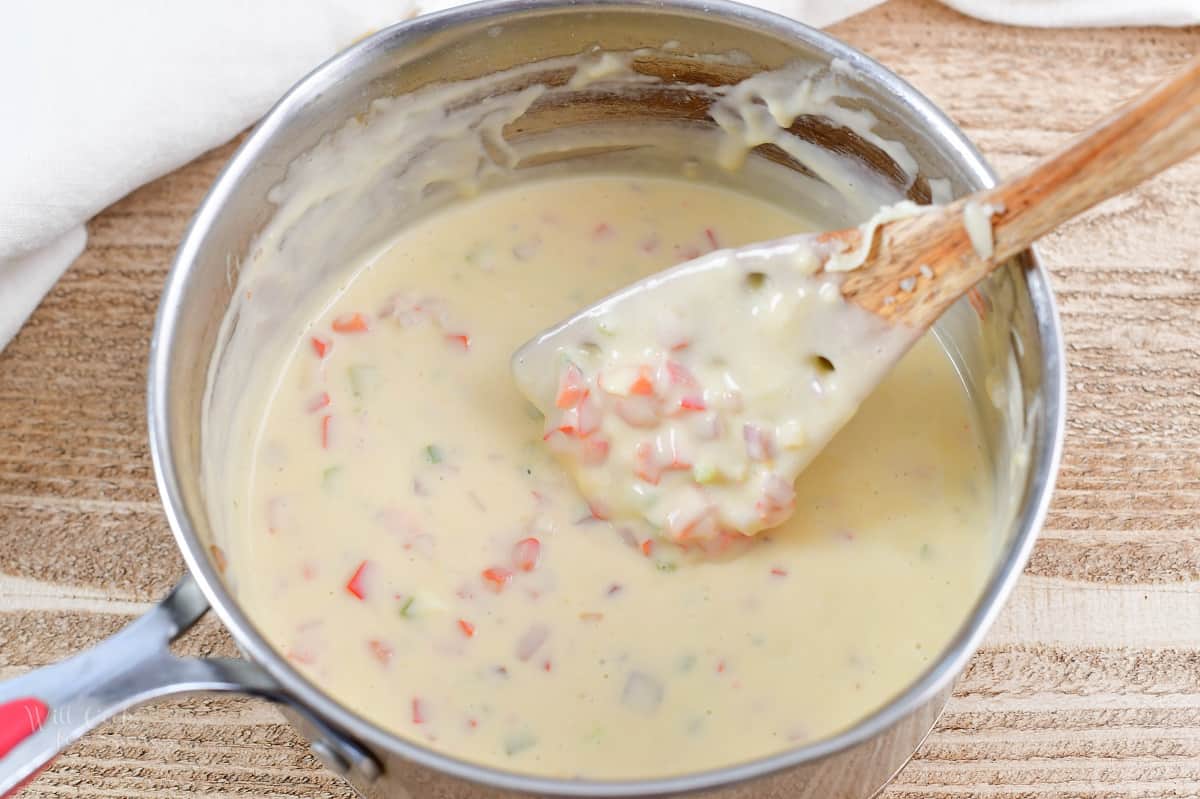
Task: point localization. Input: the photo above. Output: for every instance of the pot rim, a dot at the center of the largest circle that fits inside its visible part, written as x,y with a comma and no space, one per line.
933,680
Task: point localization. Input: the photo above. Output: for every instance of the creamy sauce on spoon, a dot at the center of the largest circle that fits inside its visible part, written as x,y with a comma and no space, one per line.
686,406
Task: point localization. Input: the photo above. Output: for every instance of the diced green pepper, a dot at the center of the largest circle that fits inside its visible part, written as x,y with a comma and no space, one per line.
362,380
518,742
331,479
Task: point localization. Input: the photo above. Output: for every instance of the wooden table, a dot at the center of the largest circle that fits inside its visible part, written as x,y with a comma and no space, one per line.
1089,684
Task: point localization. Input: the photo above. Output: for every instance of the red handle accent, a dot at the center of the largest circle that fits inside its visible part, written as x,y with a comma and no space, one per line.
19,719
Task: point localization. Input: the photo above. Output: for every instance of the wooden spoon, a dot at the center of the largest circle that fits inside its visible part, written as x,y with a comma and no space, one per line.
1157,129
911,269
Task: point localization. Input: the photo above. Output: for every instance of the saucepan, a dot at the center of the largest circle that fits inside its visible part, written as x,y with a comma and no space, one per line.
1005,343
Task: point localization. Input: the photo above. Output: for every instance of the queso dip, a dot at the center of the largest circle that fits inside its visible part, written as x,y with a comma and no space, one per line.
403,533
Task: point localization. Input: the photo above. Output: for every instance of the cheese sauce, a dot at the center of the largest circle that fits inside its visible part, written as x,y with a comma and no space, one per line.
686,406
405,536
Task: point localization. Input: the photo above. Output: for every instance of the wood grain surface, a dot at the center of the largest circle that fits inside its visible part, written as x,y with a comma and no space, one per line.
1088,685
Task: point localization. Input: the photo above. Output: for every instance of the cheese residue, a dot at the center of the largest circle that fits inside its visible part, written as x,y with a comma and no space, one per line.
977,220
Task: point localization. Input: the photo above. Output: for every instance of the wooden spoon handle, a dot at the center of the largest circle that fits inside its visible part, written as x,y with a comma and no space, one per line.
1156,130
919,266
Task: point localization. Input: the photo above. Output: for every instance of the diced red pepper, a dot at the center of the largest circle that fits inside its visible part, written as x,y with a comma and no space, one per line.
779,572
647,547
571,388
460,339
351,323
355,584
325,424
321,346
419,714
497,578
526,554
691,402
467,628
380,651
318,402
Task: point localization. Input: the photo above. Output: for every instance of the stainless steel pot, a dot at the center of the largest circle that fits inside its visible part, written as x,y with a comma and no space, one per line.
1010,354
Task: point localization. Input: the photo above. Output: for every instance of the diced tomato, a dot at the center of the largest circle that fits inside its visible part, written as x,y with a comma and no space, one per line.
595,451
680,375
526,554
355,584
640,411
644,384
321,346
380,651
777,502
318,402
587,415
300,656
460,339
351,323
497,578
693,519
570,387
647,467
760,444
467,628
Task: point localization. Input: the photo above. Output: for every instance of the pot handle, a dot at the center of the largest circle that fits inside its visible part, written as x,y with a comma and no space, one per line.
45,710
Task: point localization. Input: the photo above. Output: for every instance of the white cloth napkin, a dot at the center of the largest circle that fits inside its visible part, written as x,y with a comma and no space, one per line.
100,98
